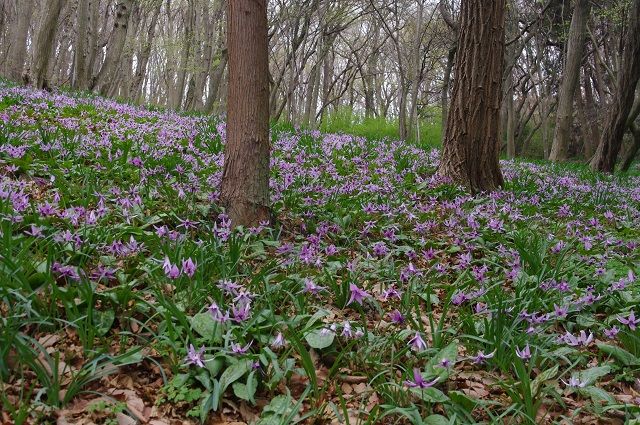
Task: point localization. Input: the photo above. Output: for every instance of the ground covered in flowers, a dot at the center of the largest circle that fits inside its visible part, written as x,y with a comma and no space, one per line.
382,295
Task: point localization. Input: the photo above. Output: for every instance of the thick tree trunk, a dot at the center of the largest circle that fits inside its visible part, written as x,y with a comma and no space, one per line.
570,79
628,76
245,179
80,76
633,150
44,44
471,145
105,76
18,47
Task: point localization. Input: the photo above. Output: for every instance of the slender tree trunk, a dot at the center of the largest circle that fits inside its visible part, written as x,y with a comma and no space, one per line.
510,128
244,190
105,76
628,75
444,97
143,58
471,145
44,43
416,65
215,82
570,79
18,47
591,118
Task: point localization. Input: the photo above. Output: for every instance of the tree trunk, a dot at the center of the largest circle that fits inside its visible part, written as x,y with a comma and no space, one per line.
80,79
104,79
633,150
444,97
143,59
44,44
570,79
510,128
244,190
628,75
215,81
471,145
18,47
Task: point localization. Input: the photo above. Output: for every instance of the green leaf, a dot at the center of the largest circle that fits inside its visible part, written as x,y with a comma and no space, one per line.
591,375
436,420
598,395
213,364
233,373
620,354
542,377
103,320
319,340
430,395
247,391
206,327
450,352
460,398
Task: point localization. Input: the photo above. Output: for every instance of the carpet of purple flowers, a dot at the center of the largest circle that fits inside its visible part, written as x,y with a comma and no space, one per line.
383,294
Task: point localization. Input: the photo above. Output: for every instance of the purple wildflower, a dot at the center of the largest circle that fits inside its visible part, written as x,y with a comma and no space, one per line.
418,380
195,357
358,295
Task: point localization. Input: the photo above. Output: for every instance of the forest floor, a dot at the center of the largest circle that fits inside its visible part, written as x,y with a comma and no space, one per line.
383,294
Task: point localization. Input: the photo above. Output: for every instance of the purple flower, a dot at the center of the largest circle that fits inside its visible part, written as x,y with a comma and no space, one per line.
358,295
346,330
396,317
278,341
525,353
171,270
418,380
188,267
310,287
611,333
195,357
630,321
574,382
241,313
236,348
560,312
481,357
574,341
391,292
229,287
417,343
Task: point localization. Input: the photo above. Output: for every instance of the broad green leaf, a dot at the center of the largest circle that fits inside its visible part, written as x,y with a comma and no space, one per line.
591,375
436,420
543,376
620,354
206,327
598,395
246,391
450,352
430,395
319,340
233,373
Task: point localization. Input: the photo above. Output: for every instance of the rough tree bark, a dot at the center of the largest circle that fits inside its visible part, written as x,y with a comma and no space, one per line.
80,76
244,190
44,44
104,78
18,47
471,145
570,79
628,76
